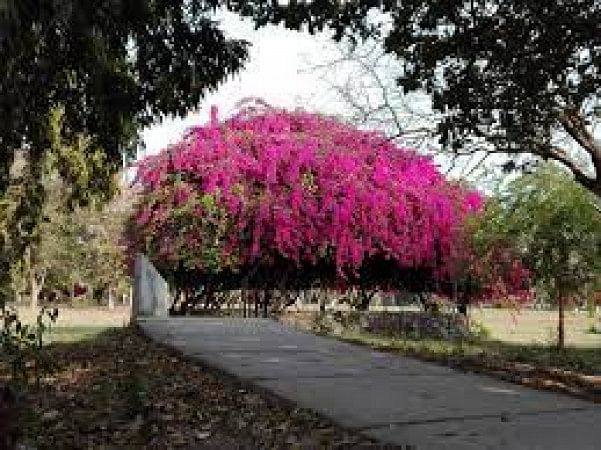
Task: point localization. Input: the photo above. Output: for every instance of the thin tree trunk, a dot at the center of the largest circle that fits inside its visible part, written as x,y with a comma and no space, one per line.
111,300
560,326
266,298
244,298
35,291
256,300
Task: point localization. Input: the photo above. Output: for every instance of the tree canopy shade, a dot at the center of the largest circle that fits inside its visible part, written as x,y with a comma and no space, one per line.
507,76
277,198
112,65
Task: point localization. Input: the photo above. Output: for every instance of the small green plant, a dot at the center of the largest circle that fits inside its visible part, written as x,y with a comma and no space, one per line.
593,329
479,331
135,395
21,350
21,345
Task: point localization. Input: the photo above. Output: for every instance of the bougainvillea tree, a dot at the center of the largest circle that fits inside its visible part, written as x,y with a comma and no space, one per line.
277,198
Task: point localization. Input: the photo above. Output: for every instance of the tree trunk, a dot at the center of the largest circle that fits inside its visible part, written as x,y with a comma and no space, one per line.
35,289
111,300
266,299
560,325
244,298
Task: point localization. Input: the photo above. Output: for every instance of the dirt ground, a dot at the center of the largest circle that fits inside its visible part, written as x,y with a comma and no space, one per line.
120,390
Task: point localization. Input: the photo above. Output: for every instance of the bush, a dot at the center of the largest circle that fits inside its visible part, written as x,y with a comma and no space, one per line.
479,331
21,350
21,344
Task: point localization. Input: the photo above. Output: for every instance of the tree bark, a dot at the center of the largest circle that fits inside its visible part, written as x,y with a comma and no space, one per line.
244,298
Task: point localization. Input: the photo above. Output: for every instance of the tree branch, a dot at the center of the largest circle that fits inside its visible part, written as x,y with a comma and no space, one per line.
575,126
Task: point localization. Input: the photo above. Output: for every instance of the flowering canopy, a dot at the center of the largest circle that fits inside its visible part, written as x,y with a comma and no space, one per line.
276,189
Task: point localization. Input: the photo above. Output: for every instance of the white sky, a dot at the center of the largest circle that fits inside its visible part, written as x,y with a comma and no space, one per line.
276,72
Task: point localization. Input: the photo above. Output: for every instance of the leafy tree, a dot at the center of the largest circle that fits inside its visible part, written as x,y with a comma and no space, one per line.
520,78
553,223
70,245
80,246
90,75
114,66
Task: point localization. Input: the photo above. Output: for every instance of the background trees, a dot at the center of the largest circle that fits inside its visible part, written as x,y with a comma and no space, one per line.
553,223
69,248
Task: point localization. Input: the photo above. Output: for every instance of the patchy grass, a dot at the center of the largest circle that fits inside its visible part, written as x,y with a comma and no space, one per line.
117,389
574,370
63,334
592,329
586,360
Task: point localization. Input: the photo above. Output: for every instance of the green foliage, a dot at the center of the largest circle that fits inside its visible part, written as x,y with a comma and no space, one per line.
79,81
114,66
70,245
554,224
21,345
479,331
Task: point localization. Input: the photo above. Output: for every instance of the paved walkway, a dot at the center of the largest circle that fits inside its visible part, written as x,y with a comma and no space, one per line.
394,399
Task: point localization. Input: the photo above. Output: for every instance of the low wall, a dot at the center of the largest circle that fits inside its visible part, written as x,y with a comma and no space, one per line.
409,323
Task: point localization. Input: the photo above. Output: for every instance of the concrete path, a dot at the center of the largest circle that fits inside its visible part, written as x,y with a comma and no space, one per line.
394,399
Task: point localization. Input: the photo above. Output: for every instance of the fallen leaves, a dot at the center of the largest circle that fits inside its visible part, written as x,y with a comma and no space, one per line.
121,390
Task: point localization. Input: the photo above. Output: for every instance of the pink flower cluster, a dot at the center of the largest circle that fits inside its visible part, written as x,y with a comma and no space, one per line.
300,186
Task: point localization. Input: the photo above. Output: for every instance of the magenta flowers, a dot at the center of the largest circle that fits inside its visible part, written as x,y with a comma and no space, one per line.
270,184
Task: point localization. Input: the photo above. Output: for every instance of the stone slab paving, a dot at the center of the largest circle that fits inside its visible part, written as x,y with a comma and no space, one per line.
395,399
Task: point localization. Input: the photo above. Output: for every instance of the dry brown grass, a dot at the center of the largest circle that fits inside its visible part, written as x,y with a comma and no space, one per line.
98,317
537,327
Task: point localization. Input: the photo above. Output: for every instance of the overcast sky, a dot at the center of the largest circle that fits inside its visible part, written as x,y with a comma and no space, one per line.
278,72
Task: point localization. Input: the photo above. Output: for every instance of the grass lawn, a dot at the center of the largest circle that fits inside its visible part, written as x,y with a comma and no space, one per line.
66,334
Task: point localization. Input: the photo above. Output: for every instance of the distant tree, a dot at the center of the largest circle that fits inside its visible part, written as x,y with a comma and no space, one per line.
71,247
70,244
553,223
512,77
